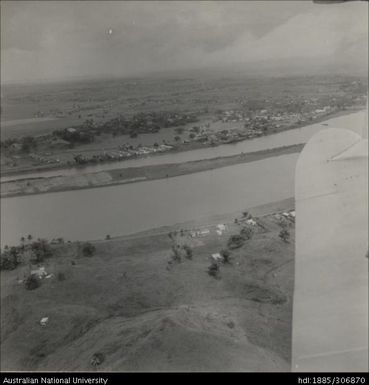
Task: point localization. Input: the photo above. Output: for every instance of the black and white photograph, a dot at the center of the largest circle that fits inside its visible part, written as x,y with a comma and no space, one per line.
184,188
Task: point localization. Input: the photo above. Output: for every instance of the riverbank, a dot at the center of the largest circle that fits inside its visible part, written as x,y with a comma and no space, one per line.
141,313
134,174
176,148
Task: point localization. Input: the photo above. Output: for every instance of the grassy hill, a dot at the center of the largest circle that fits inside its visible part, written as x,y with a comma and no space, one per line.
136,312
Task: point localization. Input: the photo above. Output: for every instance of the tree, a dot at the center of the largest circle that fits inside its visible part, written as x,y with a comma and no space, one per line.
195,129
133,134
176,255
97,359
247,232
188,251
28,143
88,124
10,259
235,241
29,237
226,254
177,138
107,237
284,235
213,270
40,251
32,282
88,250
61,276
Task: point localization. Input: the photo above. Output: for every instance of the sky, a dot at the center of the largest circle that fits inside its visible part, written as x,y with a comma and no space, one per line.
47,40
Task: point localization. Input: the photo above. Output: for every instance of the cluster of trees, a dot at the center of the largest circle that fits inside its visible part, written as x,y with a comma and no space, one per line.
25,144
78,135
214,268
10,258
180,249
32,282
145,122
38,251
138,123
88,250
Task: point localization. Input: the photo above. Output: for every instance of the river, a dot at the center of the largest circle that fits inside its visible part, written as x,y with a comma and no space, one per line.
125,209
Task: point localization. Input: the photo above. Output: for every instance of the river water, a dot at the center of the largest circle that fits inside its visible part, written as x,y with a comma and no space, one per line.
125,209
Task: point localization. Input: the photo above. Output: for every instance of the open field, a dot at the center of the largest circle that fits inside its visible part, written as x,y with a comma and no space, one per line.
140,313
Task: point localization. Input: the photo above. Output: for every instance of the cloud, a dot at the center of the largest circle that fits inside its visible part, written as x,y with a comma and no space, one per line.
319,33
60,39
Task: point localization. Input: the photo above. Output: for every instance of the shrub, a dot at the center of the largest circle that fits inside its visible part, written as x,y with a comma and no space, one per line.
213,270
235,241
61,276
32,282
7,262
133,134
176,255
283,222
284,235
10,259
188,251
226,254
97,359
40,250
88,250
247,232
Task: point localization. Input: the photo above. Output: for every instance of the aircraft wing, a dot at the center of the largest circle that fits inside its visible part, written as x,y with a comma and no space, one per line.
330,309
